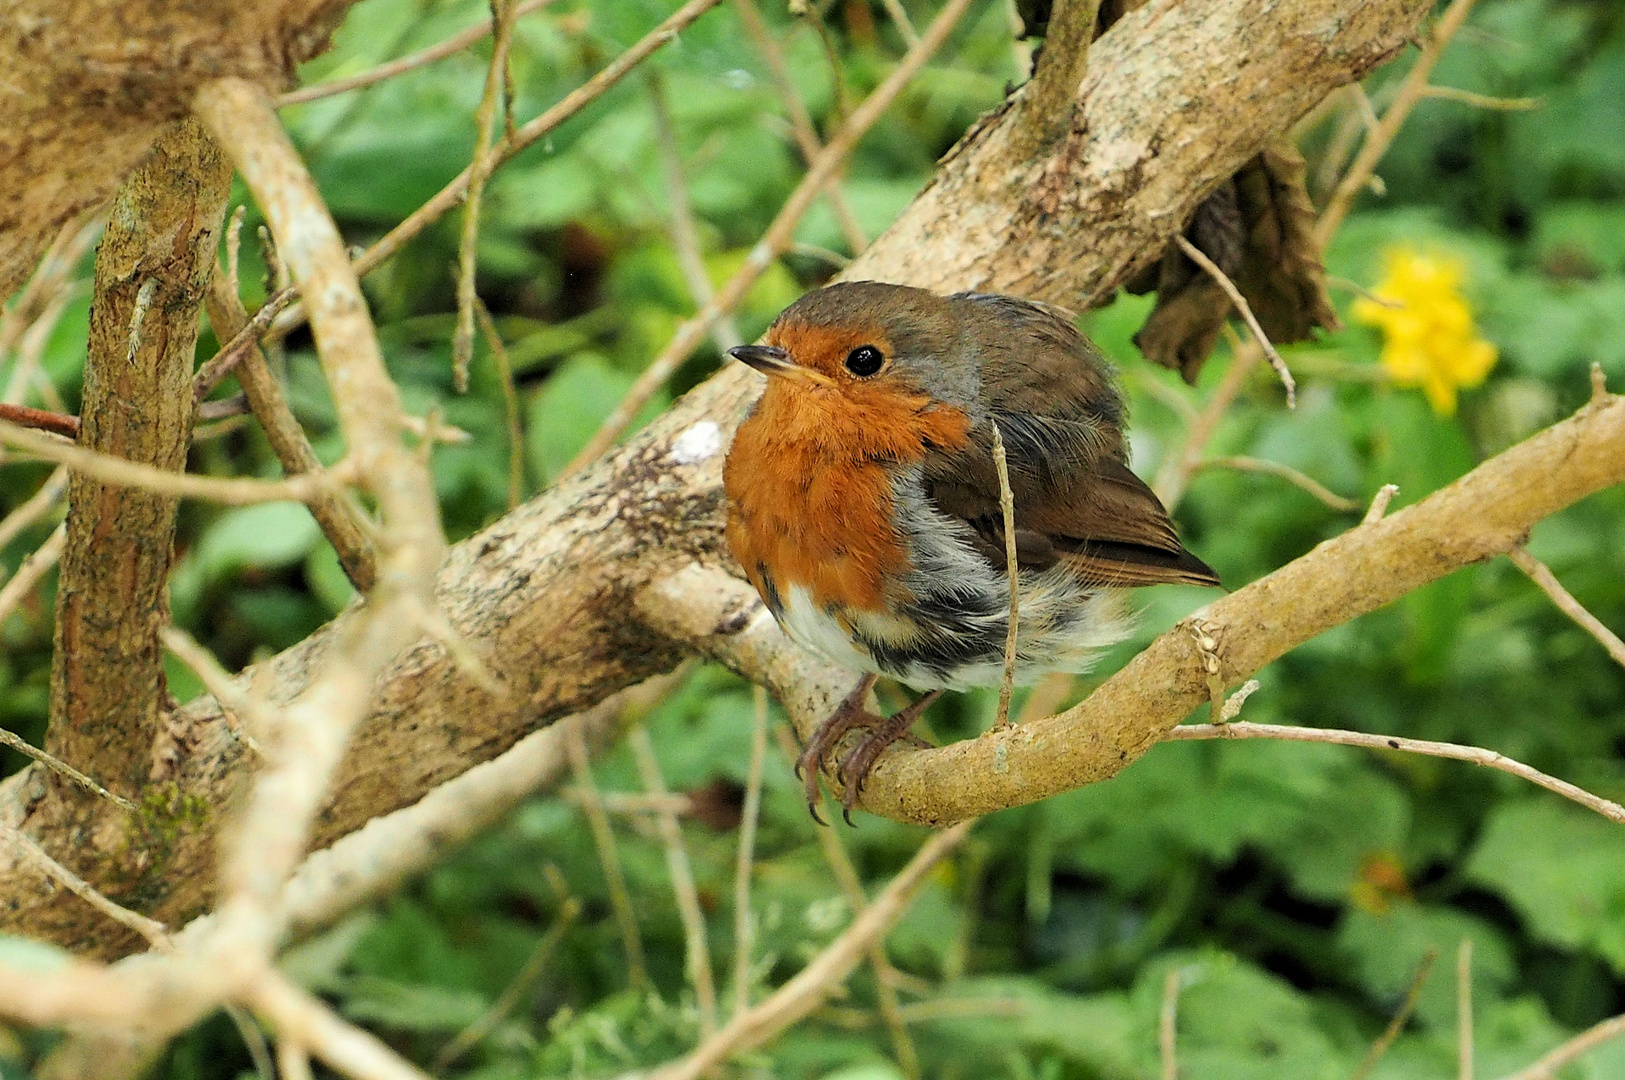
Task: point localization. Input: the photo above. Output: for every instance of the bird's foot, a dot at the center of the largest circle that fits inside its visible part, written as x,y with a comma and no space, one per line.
855,766
850,713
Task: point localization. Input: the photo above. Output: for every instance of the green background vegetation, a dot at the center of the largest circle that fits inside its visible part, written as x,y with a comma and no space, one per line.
1296,887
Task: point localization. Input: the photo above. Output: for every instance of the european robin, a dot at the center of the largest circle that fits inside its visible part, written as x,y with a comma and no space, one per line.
863,501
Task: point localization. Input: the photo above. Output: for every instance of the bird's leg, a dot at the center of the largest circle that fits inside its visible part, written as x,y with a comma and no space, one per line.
849,714
854,768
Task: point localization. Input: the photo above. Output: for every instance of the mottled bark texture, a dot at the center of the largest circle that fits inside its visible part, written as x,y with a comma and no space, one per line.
89,84
547,594
107,682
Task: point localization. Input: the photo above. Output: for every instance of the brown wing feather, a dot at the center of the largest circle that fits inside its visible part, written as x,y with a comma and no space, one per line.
1061,421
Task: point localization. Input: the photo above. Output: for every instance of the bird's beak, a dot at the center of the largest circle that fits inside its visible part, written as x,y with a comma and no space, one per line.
774,361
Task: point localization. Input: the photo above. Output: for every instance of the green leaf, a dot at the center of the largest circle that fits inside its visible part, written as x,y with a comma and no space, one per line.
266,537
1563,869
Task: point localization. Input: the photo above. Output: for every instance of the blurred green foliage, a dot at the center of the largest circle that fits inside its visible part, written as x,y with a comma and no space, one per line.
1294,889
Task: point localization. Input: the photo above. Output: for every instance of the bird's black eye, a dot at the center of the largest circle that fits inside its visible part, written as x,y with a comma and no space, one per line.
864,361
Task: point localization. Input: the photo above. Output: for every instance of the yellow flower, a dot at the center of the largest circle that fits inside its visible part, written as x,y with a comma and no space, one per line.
1429,339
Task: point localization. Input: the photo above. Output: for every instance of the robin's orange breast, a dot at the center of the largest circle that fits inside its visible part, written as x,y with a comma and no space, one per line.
809,483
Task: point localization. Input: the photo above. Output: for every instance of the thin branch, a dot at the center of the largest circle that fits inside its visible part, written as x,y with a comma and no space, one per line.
744,919
1199,257
815,982
1464,1010
512,415
1397,1024
254,1040
609,859
801,125
684,234
1379,504
1474,755
462,339
293,1060
1411,90
346,1048
35,565
117,470
1178,467
886,976
239,345
1168,1025
316,727
338,517
772,243
41,420
1007,506
1287,473
234,701
440,51
17,743
39,504
697,948
1542,576
1588,1040
155,932
470,1037
1482,101
899,16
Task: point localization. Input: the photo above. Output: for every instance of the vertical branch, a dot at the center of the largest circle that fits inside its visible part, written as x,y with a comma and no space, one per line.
287,438
1047,106
682,884
317,724
107,684
744,922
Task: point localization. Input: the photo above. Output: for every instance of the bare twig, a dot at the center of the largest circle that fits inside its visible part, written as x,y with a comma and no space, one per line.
803,993
1482,101
1588,1040
222,363
1007,506
744,919
1178,467
316,725
1397,1024
603,835
117,470
886,975
801,125
345,1047
440,51
905,26
1379,504
293,1059
18,744
1542,576
1199,257
532,969
35,565
685,236
155,932
1411,90
1168,1025
697,948
1475,755
216,680
510,404
462,339
339,518
1464,1010
772,243
1287,473
39,504
40,420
